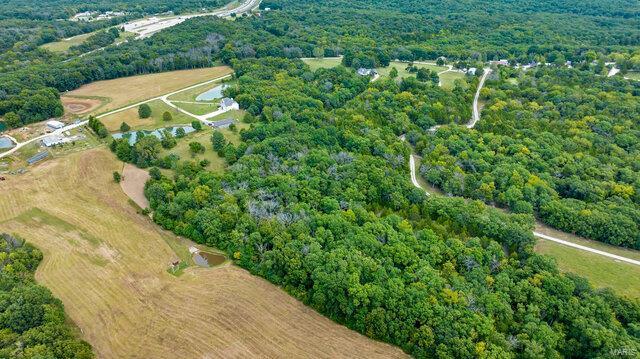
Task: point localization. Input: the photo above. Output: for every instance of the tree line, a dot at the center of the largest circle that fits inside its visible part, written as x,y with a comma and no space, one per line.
32,320
318,201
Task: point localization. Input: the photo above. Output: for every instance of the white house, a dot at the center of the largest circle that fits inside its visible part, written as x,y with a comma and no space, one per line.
472,71
55,125
228,103
367,72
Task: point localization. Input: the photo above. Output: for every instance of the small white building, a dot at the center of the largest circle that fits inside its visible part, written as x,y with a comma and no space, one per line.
228,103
472,71
367,72
55,125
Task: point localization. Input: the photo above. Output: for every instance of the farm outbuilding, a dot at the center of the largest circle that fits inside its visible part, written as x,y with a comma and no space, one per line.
53,124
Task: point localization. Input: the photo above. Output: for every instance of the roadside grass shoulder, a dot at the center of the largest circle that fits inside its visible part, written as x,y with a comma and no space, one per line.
603,272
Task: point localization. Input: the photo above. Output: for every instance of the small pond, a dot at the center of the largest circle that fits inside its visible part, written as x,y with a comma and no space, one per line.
213,94
206,259
133,135
6,143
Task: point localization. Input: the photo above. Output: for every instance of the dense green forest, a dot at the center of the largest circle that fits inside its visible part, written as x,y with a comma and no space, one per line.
317,200
372,32
558,142
32,321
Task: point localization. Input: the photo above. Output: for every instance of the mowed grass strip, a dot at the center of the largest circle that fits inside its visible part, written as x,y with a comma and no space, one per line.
123,91
603,272
120,294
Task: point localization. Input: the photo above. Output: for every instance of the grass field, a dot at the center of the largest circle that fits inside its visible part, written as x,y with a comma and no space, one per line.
109,265
123,91
402,72
325,63
633,75
131,117
623,278
65,44
448,78
217,163
198,108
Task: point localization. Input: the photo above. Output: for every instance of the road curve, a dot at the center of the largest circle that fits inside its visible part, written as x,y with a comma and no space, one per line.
476,109
471,124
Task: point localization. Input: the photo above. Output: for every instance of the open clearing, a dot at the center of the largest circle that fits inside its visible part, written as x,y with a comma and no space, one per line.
108,265
217,163
65,44
623,278
402,72
132,184
131,117
322,63
123,91
633,75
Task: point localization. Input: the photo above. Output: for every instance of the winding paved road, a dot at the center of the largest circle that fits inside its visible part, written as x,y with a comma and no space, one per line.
471,124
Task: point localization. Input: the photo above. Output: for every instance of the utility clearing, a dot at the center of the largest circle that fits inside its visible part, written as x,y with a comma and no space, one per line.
109,264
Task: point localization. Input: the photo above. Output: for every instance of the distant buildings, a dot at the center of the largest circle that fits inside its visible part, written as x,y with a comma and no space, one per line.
95,16
229,104
38,157
222,123
54,140
367,72
500,62
55,125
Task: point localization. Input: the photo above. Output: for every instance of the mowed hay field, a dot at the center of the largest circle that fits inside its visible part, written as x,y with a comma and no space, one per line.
109,267
123,91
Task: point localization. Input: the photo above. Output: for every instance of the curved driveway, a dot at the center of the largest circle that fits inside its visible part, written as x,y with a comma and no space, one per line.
471,124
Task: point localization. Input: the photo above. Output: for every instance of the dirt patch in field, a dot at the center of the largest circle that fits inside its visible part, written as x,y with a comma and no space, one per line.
79,106
133,180
124,299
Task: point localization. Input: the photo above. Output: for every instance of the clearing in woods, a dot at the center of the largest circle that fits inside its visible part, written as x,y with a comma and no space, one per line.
123,91
108,265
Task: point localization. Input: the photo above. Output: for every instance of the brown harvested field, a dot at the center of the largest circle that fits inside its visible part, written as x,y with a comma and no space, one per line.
109,267
120,92
79,106
133,180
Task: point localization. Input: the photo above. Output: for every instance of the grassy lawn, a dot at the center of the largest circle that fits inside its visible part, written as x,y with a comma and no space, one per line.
324,63
130,116
623,278
190,95
217,164
624,252
65,44
402,72
633,75
448,79
123,91
198,108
